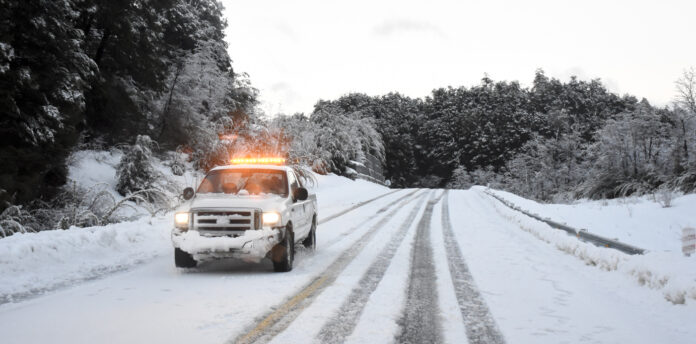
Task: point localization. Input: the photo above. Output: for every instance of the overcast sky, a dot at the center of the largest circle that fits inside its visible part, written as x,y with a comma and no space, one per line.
297,52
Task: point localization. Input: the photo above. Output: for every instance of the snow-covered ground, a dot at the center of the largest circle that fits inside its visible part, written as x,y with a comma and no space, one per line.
639,221
413,265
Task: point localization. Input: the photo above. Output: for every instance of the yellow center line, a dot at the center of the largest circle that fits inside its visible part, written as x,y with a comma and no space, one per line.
282,310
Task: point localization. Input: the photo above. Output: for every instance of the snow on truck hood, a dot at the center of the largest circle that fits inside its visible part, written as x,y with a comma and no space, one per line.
265,202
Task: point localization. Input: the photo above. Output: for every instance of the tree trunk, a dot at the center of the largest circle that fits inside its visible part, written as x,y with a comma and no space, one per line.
102,46
686,147
165,110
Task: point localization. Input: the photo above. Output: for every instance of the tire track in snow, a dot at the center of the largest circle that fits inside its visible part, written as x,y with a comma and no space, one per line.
421,319
381,210
479,323
341,325
349,209
281,317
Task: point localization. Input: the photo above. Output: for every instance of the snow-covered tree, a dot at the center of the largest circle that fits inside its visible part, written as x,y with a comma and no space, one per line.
345,136
44,73
300,136
631,154
195,97
135,171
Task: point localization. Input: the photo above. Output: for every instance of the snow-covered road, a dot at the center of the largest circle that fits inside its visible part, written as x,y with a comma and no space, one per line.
412,266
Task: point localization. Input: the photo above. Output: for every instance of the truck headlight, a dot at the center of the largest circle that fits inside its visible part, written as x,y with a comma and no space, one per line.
271,218
181,220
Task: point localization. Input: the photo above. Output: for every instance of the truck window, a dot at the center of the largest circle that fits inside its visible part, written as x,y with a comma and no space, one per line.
293,181
299,180
245,182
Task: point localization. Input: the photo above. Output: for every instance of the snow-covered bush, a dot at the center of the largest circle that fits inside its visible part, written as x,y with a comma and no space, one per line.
664,196
82,207
135,171
34,217
177,164
12,221
96,205
460,179
463,179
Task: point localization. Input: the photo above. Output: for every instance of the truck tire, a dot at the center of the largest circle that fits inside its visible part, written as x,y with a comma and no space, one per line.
284,253
183,259
310,241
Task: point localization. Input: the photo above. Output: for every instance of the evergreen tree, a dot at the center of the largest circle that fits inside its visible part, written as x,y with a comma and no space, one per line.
44,74
135,171
101,68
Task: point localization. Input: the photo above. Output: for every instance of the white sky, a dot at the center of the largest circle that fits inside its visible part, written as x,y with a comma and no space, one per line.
297,52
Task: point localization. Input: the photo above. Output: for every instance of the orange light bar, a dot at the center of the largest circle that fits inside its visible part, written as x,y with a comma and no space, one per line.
251,161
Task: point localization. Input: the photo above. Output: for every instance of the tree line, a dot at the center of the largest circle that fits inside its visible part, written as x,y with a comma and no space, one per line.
552,141
100,72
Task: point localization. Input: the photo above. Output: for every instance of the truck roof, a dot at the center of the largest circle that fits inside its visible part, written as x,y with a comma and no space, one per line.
253,166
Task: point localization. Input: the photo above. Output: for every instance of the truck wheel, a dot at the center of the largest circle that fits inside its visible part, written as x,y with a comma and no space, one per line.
310,241
284,253
183,259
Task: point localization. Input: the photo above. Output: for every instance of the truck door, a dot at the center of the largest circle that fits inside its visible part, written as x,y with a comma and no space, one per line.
306,210
297,209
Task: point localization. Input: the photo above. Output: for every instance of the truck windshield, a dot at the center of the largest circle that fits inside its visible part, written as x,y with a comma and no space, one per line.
245,182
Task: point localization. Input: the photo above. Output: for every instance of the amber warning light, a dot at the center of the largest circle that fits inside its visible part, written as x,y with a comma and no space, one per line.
251,161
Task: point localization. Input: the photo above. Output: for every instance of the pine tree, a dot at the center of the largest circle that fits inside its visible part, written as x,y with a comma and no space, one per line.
135,171
44,73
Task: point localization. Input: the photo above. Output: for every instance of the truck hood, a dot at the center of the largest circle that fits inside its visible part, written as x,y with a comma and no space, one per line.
265,203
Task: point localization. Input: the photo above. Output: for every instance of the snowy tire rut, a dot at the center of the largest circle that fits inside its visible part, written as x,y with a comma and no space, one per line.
284,314
418,319
421,318
480,325
342,324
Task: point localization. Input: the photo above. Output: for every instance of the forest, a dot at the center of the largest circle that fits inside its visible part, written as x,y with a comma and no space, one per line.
553,141
155,76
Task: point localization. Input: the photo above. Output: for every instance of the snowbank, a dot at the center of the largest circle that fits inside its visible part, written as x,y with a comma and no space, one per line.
669,272
36,262
639,221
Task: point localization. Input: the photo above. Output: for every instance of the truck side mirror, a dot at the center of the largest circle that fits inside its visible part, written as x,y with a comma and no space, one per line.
300,194
188,193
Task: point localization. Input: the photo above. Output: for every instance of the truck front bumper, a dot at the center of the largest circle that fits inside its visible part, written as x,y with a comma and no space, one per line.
253,245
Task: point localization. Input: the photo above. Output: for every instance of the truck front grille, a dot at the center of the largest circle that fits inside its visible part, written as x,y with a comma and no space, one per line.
225,222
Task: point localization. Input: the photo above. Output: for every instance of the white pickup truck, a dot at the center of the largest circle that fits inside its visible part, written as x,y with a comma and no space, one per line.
246,211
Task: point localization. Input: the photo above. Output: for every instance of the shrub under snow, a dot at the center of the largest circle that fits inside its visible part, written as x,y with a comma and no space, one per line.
135,171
